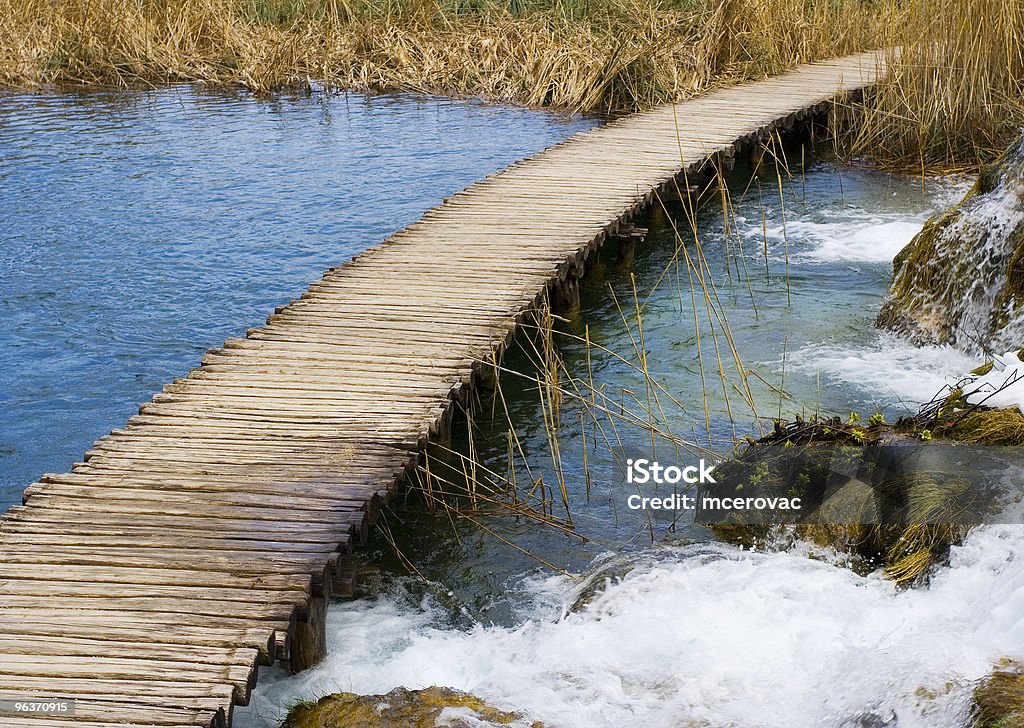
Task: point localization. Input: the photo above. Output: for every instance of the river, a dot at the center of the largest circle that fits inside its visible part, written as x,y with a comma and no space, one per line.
141,229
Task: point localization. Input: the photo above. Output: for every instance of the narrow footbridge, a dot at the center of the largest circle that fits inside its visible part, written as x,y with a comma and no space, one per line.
205,537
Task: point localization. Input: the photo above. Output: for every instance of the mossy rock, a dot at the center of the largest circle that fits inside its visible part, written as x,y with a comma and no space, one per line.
886,497
402,708
961,279
999,700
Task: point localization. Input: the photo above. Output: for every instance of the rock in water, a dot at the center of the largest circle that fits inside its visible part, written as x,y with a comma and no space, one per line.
402,708
960,281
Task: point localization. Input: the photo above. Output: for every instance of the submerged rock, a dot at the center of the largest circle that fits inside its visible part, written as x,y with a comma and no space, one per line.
610,570
402,708
960,281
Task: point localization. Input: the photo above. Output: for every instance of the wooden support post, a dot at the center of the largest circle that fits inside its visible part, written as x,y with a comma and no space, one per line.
757,155
309,643
627,237
566,292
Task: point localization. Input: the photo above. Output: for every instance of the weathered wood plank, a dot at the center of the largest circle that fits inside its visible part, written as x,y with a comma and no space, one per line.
207,534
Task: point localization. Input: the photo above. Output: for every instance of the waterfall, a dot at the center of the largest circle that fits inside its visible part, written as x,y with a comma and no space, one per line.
960,281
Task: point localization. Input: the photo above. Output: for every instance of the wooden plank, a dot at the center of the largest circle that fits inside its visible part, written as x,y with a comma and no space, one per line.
241,677
68,625
205,536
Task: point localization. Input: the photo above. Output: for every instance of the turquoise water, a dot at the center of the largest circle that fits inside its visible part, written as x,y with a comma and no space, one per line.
140,229
804,333
655,623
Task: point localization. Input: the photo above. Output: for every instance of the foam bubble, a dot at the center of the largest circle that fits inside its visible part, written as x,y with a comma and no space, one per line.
705,635
1002,386
889,367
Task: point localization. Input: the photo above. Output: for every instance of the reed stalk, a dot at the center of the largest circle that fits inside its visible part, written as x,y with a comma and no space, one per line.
954,97
583,55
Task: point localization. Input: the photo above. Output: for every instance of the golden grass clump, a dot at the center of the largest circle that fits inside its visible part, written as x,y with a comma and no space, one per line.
955,94
999,700
583,55
991,427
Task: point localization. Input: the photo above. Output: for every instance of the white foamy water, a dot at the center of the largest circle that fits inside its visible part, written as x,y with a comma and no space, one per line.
871,241
704,636
888,368
1002,386
873,231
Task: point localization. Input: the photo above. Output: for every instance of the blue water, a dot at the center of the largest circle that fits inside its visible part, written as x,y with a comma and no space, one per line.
140,229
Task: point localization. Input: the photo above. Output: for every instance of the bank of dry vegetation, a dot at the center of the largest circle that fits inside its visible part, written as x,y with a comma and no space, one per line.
585,55
954,98
955,95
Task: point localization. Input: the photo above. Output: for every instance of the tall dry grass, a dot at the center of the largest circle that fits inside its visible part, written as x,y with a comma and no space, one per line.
581,55
954,97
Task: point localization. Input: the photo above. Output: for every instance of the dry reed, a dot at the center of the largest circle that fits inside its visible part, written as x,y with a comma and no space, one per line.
954,97
583,55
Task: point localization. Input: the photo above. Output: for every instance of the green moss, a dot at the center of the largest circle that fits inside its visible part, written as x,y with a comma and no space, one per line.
983,369
988,179
921,283
937,273
400,707
1000,698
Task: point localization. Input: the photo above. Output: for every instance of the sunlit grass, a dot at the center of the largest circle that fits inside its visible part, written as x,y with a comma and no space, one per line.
955,94
586,55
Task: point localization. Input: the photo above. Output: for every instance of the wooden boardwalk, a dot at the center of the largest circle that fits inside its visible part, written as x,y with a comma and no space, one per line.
204,538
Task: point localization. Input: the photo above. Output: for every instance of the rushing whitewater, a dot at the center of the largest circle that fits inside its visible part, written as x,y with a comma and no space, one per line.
704,635
707,635
961,280
894,370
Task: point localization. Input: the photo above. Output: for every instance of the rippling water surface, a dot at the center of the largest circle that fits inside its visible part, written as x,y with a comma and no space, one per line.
687,631
137,230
